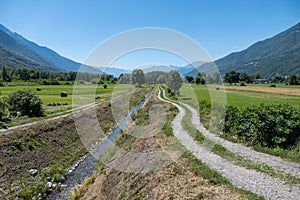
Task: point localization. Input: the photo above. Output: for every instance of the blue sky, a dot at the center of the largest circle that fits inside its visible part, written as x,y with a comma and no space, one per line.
74,28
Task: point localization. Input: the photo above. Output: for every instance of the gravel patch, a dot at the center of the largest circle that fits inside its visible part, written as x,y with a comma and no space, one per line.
82,171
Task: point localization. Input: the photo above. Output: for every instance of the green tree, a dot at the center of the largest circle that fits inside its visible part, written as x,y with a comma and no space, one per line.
5,75
293,80
25,102
24,74
201,77
174,81
231,77
138,77
3,108
244,77
189,79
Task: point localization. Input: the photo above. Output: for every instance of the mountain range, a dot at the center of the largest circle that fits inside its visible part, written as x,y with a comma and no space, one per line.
278,55
34,56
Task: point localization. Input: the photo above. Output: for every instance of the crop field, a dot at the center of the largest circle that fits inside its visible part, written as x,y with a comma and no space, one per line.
294,91
242,96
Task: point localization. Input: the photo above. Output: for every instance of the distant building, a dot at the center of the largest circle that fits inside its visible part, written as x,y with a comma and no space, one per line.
260,81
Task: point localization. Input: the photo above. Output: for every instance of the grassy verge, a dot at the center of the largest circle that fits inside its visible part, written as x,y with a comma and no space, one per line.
292,154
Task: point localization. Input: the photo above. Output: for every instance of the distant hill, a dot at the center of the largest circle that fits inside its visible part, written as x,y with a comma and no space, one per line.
277,55
114,71
163,68
12,45
44,56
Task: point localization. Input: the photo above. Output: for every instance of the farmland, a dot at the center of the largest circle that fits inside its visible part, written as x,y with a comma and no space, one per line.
51,94
243,96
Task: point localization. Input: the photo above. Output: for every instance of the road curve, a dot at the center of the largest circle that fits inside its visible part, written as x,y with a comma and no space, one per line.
246,152
256,182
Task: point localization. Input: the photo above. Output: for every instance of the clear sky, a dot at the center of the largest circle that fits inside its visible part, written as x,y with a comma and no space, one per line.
73,28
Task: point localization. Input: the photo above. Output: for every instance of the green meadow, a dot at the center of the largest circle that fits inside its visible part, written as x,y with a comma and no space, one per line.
51,94
238,98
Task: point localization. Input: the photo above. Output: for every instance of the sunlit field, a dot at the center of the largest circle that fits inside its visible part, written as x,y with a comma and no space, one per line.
240,96
51,94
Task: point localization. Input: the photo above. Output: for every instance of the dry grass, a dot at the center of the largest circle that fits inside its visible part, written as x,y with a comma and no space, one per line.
282,91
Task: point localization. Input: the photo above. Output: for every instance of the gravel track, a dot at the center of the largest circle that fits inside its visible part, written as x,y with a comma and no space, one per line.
248,153
256,182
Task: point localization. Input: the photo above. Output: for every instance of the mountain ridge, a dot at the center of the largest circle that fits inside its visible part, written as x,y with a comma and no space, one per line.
49,59
277,55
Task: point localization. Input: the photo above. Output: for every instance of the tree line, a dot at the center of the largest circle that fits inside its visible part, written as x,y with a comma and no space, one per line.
50,77
172,79
233,77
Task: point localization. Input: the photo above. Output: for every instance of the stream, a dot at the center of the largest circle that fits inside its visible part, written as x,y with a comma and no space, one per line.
85,167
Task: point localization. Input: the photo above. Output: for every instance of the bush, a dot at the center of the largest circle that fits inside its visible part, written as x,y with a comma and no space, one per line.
243,83
273,85
105,86
264,125
54,82
25,102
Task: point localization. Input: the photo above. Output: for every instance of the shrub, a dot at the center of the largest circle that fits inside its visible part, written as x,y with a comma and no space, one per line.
243,83
25,102
105,86
273,85
264,125
54,82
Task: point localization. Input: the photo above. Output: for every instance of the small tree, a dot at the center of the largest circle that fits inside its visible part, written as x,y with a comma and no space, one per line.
3,108
138,77
5,76
232,77
200,79
25,102
292,80
174,81
189,79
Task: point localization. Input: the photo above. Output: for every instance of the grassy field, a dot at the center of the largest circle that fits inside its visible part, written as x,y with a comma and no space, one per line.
241,96
50,94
